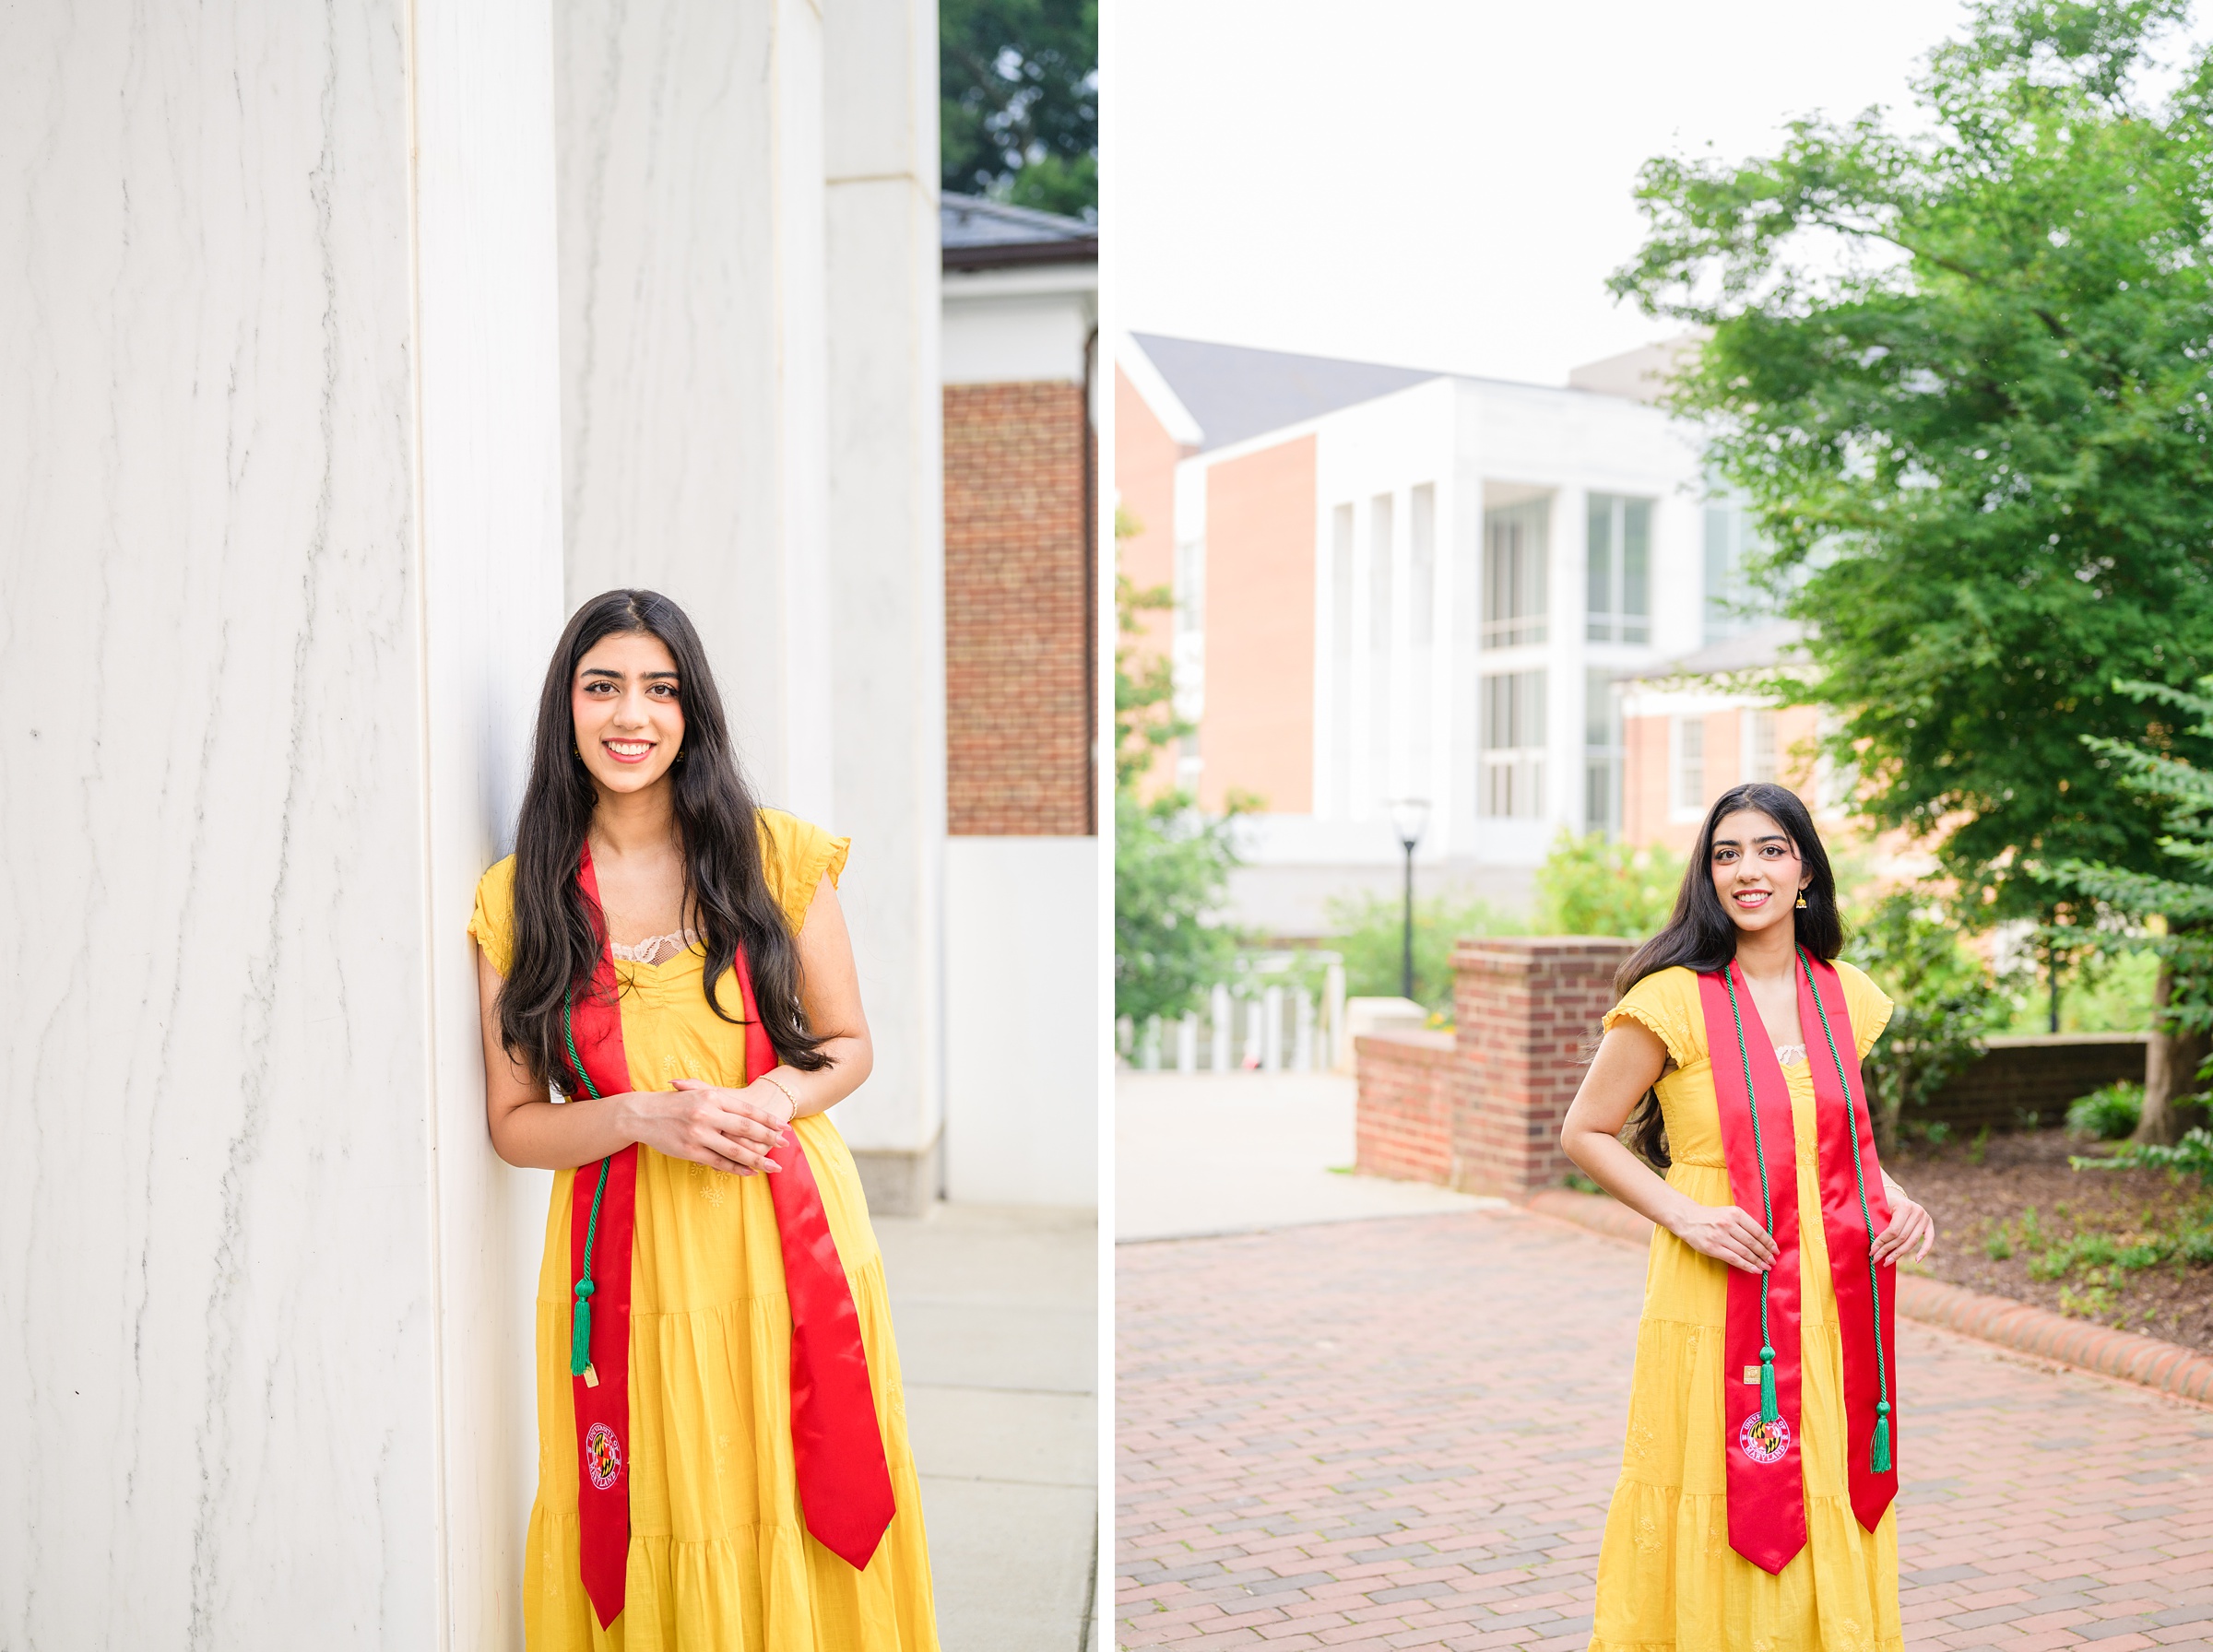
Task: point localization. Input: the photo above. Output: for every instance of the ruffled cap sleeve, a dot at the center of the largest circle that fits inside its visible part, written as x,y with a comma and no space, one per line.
492,923
795,855
1665,1004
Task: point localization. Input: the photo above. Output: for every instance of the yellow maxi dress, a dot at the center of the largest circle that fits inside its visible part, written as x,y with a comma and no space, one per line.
720,1558
1668,1580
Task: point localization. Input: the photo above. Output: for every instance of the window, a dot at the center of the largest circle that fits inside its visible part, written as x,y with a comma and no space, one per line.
1601,754
1381,553
1514,586
1759,745
1690,765
1513,744
1620,551
1341,657
1414,756
1730,604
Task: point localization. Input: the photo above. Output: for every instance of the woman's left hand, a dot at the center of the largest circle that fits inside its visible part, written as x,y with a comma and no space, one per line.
761,1107
1911,1227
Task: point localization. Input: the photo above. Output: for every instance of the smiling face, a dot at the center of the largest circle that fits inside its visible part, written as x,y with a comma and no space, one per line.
1756,870
629,715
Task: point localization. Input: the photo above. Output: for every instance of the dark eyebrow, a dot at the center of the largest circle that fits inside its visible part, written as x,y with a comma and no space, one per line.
1773,837
649,675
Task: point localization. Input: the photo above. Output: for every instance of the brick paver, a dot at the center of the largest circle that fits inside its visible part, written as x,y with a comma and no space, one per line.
1402,1434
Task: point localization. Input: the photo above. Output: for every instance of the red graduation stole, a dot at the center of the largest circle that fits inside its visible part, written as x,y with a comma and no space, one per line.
845,1481
1760,1343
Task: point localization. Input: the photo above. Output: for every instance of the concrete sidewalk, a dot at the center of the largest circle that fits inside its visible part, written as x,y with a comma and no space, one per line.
997,1314
1206,1153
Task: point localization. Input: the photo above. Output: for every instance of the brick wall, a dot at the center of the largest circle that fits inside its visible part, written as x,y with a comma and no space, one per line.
1527,1008
1405,1116
1019,612
2037,1074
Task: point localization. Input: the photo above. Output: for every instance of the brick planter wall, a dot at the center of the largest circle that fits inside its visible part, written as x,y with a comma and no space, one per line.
2039,1074
1527,1008
1404,1127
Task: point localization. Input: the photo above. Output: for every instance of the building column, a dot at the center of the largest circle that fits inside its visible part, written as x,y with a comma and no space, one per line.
281,559
692,369
886,560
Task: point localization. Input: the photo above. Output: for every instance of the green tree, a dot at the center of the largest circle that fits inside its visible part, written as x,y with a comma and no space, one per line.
1171,862
1018,101
1945,998
1963,374
2172,910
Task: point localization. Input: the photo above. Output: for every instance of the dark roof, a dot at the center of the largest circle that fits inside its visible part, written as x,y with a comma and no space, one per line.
1235,393
975,234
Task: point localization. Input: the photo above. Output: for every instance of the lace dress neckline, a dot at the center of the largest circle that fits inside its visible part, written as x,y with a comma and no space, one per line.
649,950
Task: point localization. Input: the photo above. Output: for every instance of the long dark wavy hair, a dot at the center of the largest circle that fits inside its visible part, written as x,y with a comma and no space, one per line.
559,932
1702,936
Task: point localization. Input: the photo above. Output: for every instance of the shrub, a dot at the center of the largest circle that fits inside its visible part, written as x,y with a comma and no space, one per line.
2192,1155
2109,1112
1946,1001
1592,885
1369,930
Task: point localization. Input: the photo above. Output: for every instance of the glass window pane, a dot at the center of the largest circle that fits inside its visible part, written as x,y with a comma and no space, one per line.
1636,553
1601,587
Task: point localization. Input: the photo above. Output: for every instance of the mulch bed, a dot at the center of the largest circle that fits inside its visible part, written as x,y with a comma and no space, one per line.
2010,1207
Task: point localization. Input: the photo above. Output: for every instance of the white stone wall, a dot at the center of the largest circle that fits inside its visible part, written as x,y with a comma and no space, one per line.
1023,953
272,440
749,423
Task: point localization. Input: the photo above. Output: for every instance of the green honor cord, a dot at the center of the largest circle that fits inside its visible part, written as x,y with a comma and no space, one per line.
1878,1460
580,1331
1770,1411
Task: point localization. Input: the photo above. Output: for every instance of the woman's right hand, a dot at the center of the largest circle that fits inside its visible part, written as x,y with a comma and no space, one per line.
695,1123
1727,1233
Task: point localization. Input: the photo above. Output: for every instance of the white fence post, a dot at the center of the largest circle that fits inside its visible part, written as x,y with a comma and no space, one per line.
1219,1056
1333,1013
1187,1042
1271,1030
1148,1052
1302,1040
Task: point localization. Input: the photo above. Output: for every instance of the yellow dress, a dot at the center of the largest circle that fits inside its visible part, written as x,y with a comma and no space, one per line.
720,1559
1667,1580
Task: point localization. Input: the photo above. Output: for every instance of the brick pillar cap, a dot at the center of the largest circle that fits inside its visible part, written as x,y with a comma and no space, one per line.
1523,950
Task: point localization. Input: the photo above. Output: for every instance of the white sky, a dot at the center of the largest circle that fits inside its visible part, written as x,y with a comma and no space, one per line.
1444,183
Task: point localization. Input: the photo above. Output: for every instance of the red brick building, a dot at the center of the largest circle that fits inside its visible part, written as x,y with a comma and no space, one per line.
1023,1021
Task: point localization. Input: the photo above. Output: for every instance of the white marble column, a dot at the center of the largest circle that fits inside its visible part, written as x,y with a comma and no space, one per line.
690,187
278,570
887,561
774,470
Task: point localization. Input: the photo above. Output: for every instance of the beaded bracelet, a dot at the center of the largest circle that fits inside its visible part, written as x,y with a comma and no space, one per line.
771,1079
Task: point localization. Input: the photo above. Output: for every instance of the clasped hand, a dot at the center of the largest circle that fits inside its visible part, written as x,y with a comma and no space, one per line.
724,1129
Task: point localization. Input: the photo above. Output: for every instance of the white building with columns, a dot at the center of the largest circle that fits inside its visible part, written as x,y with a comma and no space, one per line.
1395,583
348,348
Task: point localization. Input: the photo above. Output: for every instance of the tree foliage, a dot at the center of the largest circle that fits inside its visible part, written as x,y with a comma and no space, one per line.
1591,885
1171,862
1963,374
1945,1001
1018,97
2179,895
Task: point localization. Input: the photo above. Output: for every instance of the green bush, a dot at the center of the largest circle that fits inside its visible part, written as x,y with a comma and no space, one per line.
1591,885
1370,931
2109,1112
2192,1155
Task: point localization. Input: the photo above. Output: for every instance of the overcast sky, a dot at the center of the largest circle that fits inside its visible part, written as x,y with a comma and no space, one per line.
1444,183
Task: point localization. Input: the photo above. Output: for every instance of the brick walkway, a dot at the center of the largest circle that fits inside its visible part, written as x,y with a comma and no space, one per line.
1403,1433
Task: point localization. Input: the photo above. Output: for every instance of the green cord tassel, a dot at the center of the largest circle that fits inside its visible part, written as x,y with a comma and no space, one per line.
580,1334
1879,1462
1770,1411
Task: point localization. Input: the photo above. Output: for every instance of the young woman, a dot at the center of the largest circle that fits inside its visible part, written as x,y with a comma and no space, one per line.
722,1442
1754,1506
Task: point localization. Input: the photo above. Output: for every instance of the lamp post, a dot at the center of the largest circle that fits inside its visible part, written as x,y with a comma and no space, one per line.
1408,816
